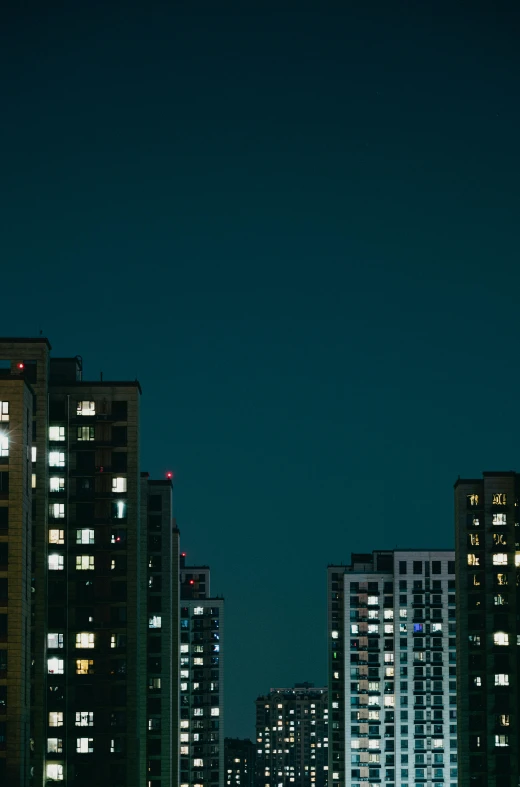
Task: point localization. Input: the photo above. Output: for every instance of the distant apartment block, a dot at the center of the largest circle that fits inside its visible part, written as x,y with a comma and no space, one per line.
239,762
292,737
201,736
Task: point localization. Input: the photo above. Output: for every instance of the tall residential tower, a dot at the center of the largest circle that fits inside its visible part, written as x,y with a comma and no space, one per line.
392,670
488,630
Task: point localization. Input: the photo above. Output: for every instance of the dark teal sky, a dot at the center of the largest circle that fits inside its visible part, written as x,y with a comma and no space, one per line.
299,229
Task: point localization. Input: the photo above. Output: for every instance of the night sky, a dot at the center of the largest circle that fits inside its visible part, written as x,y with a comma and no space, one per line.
297,225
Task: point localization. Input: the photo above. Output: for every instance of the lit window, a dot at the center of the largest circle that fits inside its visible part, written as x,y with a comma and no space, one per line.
84,718
85,536
500,559
85,433
85,639
354,628
335,634
198,611
84,745
403,613
85,562
474,539
54,745
389,657
54,640
4,444
517,558
185,736
197,661
373,715
499,538
33,453
198,763
373,628
56,536
57,434
373,600
501,579
499,499
185,647
4,411
477,681
198,711
56,484
388,614
389,702
56,562
154,622
119,484
389,672
154,684
499,519
215,712
119,509
389,628
504,720
56,459
55,666
56,719
54,772
33,480
499,600
501,638
472,500
373,614
84,666
86,408
501,680
473,560
436,627
501,740
57,510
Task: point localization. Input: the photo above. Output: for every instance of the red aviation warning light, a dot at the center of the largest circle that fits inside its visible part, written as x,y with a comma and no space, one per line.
20,366
169,475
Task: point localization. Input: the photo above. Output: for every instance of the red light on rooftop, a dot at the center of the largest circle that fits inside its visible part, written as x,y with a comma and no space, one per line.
183,554
169,474
20,365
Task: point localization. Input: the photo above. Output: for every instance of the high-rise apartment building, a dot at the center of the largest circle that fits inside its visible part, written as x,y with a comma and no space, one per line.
160,543
292,737
83,597
201,723
487,526
239,762
392,670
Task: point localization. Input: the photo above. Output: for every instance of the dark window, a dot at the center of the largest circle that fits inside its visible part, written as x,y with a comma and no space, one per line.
3,627
119,435
451,566
402,566
155,503
119,410
4,483
119,461
4,517
86,461
3,590
3,663
57,410
436,566
417,566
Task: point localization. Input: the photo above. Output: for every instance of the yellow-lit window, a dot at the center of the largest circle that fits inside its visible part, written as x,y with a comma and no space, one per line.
474,539
472,500
56,459
4,411
56,484
499,538
84,666
501,638
54,772
501,680
56,562
86,408
473,560
84,718
119,484
499,499
501,579
56,536
54,745
500,559
84,745
85,562
57,510
4,444
500,519
56,719
33,480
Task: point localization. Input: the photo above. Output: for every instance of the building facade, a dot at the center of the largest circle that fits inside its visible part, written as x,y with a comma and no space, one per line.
487,527
88,582
292,737
201,737
392,670
239,762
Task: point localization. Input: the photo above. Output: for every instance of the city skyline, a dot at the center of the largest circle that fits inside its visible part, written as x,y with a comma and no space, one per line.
298,231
